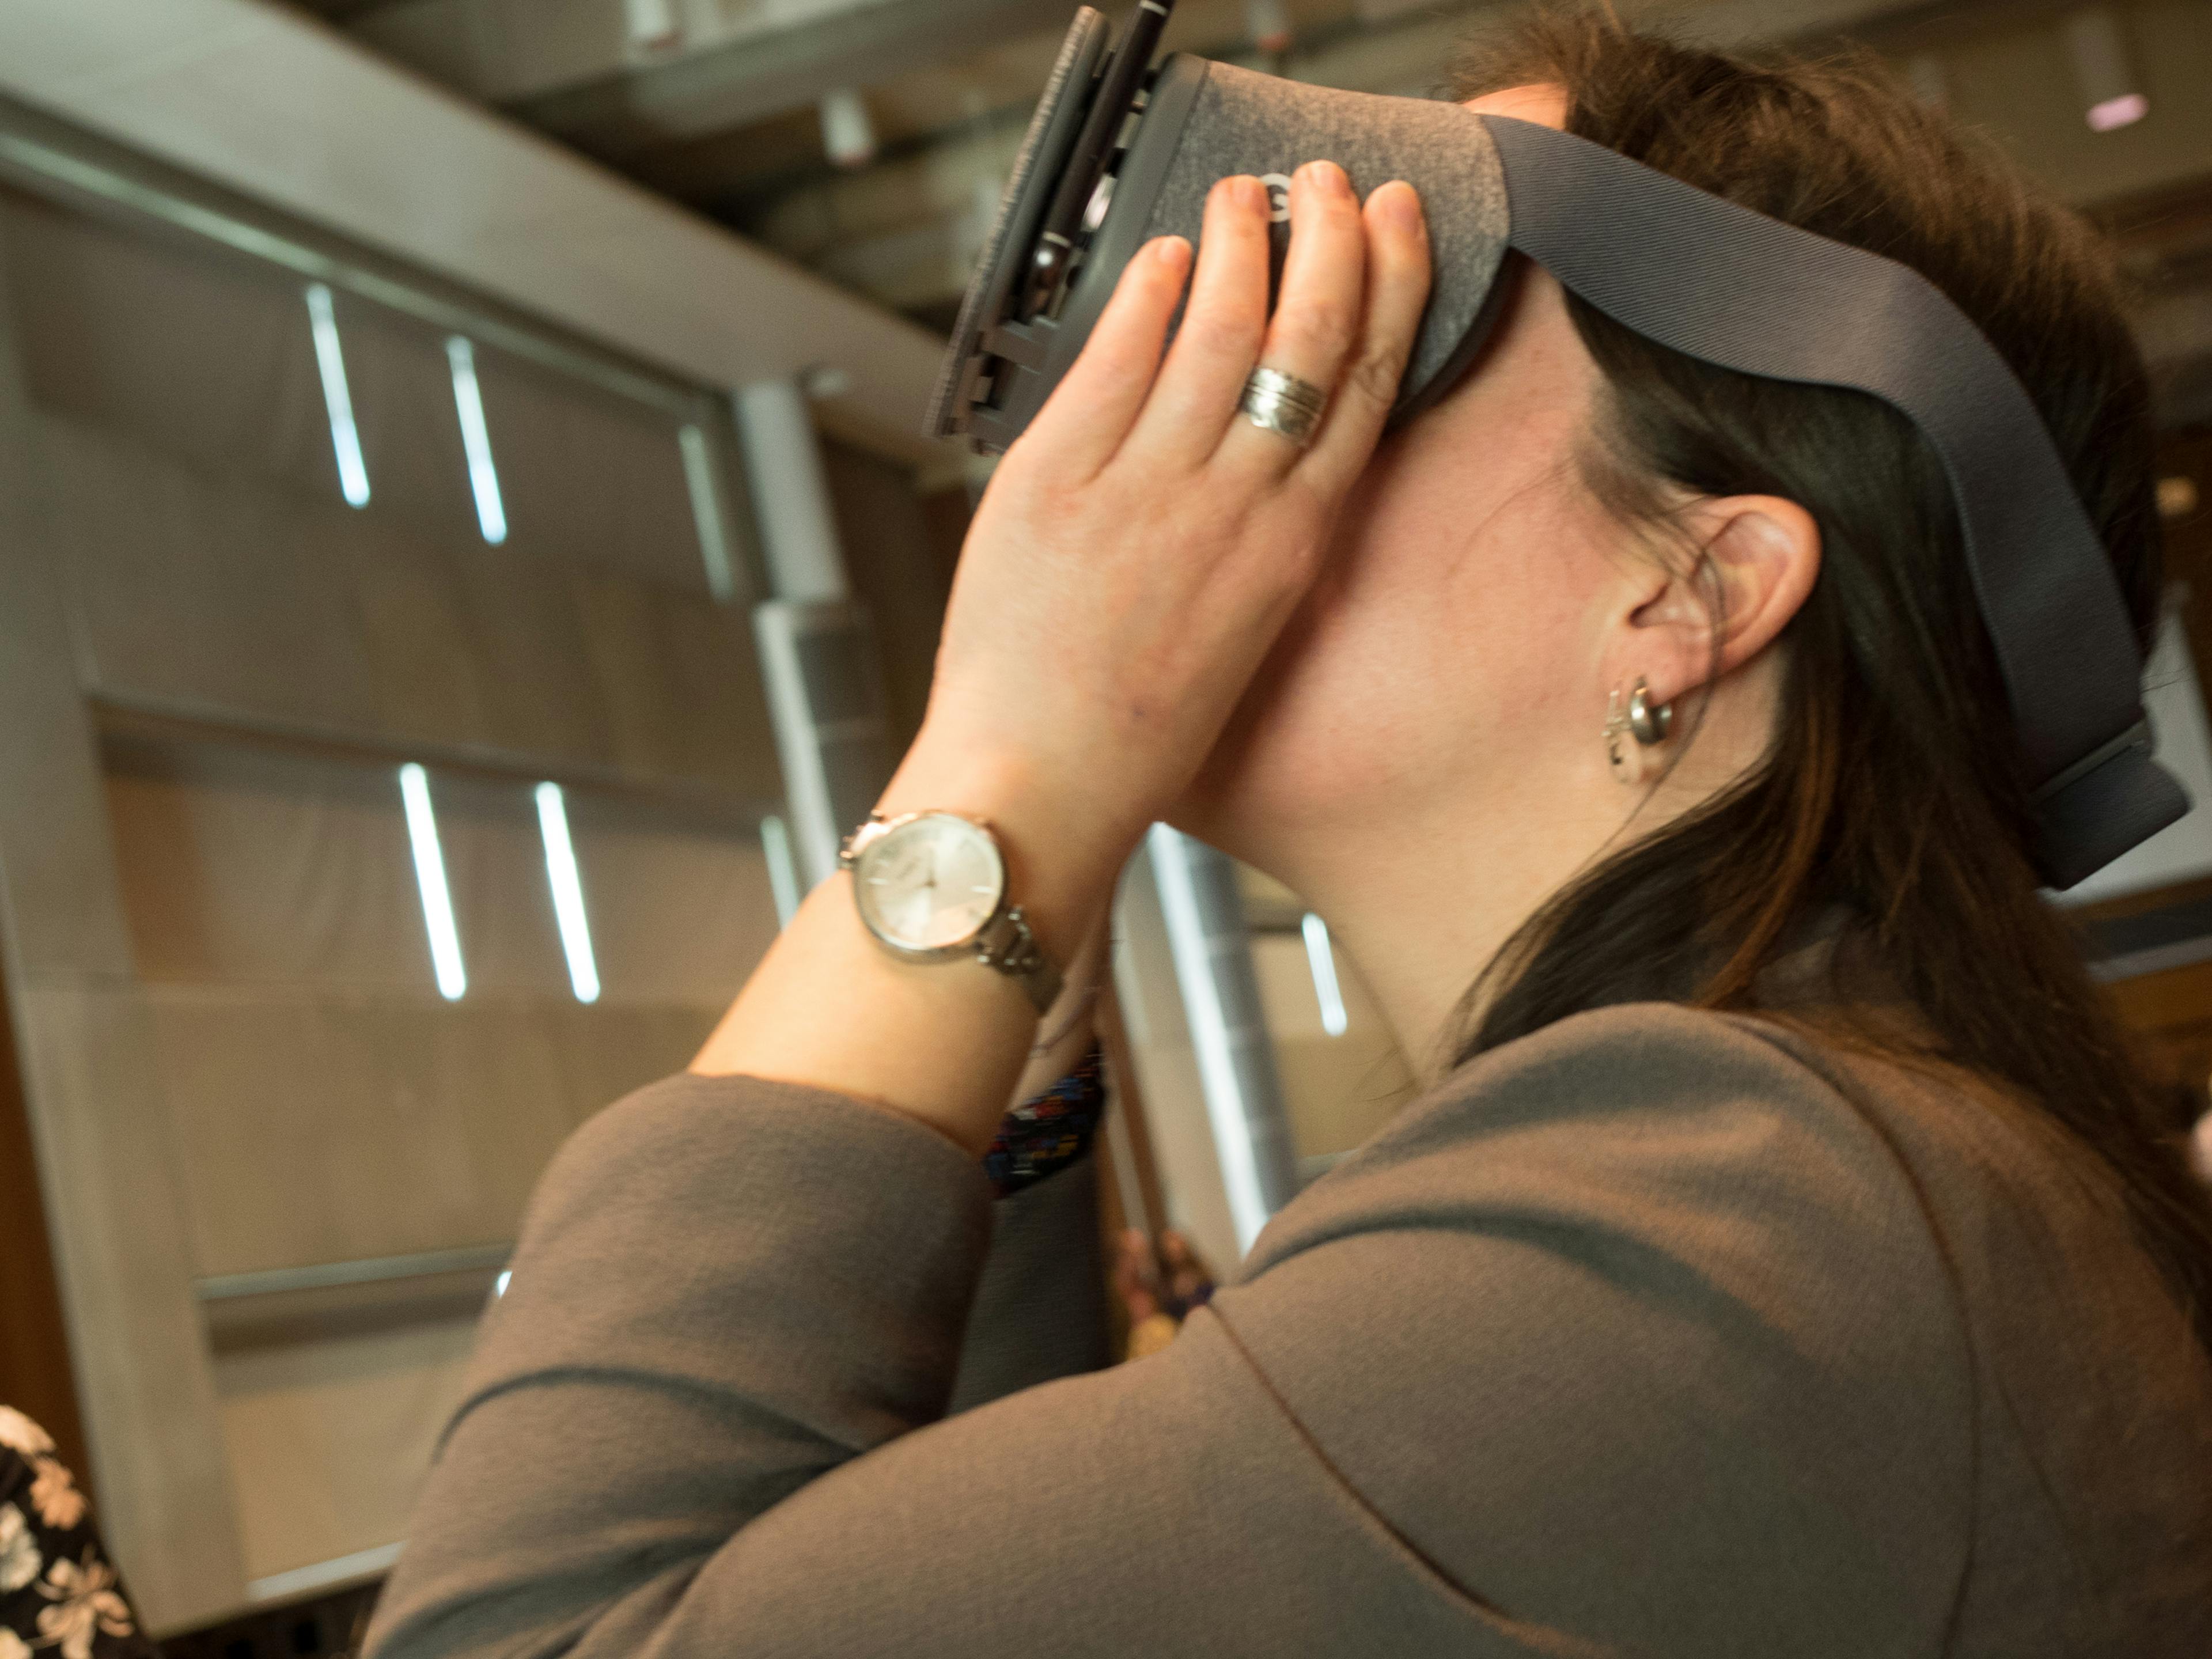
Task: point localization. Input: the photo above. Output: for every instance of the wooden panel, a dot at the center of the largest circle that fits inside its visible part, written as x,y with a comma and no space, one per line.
422,667
900,554
312,1131
724,720
608,1052
681,912
239,864
58,893
680,684
645,714
2172,1012
196,591
410,431
245,865
204,356
204,1127
329,1441
92,1093
202,597
142,1368
495,856
2179,997
594,480
526,632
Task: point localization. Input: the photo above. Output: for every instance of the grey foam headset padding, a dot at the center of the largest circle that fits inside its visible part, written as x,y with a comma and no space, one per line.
1247,123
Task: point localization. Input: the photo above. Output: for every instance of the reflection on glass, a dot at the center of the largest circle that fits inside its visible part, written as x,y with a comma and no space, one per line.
476,439
1191,949
430,878
707,512
567,892
345,438
1327,991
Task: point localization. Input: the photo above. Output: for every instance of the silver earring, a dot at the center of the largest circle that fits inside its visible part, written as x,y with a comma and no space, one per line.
1650,724
1639,721
1626,760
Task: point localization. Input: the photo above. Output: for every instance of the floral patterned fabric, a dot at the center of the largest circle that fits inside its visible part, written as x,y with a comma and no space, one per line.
1042,1136
58,1592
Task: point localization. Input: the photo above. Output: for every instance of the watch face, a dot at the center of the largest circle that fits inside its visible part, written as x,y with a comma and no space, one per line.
930,884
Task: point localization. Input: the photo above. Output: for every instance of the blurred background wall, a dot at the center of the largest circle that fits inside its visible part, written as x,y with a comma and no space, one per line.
465,538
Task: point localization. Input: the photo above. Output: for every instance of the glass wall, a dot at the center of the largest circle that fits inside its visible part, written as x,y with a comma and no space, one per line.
404,671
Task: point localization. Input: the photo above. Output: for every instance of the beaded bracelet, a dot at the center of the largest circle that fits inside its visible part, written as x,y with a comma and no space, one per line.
1043,1136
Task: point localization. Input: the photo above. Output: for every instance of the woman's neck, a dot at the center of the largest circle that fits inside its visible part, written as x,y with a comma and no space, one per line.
1423,900
1423,914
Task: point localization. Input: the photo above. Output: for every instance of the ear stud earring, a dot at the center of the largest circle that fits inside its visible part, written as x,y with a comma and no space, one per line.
1640,720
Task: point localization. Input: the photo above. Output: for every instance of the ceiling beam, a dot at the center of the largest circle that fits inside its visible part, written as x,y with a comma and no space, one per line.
267,103
571,68
905,230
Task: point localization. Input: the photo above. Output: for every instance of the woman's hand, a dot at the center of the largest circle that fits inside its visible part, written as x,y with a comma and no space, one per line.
1141,546
1136,554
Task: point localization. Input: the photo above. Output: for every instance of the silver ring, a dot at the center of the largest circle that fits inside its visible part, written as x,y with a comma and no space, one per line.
1283,404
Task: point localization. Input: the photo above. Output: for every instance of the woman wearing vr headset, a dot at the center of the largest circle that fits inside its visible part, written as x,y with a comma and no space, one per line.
1788,1256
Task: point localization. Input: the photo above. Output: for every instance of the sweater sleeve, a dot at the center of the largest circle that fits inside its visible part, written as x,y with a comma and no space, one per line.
1630,1340
1040,1307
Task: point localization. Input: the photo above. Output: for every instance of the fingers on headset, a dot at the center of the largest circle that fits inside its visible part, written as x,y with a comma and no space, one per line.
1092,410
1398,277
1319,317
1222,329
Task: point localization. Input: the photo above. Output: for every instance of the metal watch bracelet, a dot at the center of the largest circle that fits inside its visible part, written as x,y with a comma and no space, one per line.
1005,944
1008,944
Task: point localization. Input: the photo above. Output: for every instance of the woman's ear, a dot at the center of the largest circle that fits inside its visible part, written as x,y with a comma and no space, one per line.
1753,561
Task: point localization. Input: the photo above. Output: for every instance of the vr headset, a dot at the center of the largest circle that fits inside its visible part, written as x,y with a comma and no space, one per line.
1118,154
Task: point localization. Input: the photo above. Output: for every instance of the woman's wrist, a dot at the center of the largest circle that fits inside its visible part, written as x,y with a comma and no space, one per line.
1063,855
1070,1026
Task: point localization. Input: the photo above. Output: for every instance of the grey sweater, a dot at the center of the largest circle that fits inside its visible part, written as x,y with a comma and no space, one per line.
1657,1332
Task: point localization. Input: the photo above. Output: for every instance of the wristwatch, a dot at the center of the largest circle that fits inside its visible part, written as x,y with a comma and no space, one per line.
931,887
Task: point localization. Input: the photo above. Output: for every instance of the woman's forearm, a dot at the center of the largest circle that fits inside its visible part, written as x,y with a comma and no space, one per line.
1131,564
948,1043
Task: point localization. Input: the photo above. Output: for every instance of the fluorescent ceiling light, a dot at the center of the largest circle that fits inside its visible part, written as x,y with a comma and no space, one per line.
567,892
848,133
1327,991
430,878
345,437
476,440
2117,113
2100,51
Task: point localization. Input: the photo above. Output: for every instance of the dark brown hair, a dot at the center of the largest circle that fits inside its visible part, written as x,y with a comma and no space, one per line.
1892,798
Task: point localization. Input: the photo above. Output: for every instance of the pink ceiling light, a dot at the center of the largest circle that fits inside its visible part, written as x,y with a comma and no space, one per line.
2100,51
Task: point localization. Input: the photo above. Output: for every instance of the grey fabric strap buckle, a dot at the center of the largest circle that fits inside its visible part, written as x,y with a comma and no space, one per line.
1733,287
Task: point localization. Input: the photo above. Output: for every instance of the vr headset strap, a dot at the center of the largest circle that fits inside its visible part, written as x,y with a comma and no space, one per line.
1719,282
